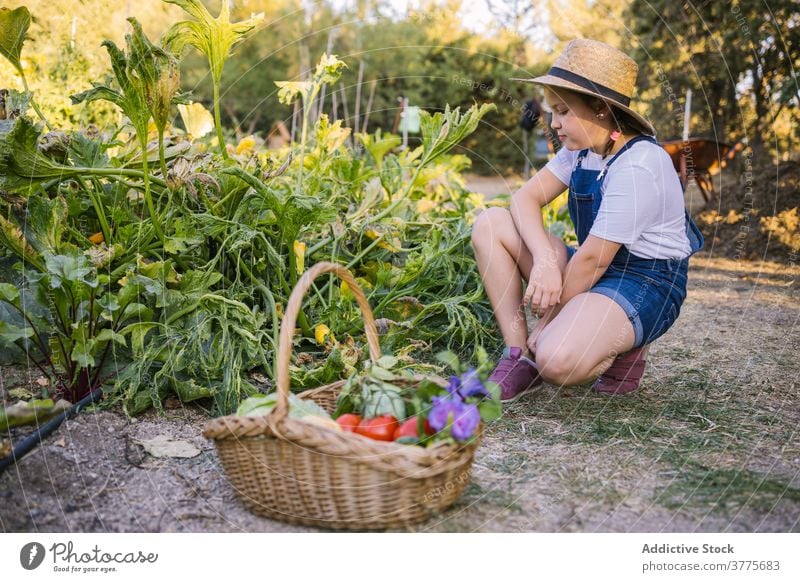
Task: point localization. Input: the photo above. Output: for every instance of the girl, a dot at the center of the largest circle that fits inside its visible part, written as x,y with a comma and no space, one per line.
599,305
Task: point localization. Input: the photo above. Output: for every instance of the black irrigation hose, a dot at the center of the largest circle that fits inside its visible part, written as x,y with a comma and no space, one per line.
27,445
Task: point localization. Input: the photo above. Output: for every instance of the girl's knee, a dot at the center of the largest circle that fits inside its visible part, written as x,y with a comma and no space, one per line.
556,361
490,224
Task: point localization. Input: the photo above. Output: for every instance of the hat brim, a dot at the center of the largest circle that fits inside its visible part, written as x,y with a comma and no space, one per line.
552,81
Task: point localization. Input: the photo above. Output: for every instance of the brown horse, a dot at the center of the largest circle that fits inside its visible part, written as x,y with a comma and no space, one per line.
700,158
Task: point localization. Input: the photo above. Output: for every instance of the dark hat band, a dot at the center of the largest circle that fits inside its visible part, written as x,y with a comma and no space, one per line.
596,88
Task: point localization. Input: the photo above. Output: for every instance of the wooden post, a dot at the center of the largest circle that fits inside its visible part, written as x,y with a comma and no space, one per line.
369,105
358,95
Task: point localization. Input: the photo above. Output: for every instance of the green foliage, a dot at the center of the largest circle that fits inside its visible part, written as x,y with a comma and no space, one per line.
182,277
14,26
22,165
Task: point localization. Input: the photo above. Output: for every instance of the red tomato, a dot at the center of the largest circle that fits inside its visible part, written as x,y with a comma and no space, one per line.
409,428
349,422
380,428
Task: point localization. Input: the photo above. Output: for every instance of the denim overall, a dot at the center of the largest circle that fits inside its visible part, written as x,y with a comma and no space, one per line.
650,291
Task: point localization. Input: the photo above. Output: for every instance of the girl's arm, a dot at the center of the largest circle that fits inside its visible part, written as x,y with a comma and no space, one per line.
526,210
582,272
544,282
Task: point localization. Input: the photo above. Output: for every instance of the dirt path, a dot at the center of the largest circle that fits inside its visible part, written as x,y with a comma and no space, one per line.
710,442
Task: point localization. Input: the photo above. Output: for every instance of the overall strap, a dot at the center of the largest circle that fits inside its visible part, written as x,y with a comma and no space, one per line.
581,156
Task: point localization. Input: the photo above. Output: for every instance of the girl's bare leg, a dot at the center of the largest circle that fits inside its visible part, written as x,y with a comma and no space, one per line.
583,340
505,264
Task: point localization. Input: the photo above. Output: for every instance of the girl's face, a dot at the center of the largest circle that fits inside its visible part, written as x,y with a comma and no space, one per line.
575,123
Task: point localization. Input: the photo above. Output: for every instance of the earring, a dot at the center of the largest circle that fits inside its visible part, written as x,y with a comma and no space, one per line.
601,115
615,135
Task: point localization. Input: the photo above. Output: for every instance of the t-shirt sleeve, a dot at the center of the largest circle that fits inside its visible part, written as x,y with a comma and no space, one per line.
631,204
561,164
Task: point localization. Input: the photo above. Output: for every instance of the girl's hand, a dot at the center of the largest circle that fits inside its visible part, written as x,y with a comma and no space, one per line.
533,337
544,286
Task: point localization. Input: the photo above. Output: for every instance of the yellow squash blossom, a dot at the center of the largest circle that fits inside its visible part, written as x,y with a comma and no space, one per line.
299,256
246,145
321,332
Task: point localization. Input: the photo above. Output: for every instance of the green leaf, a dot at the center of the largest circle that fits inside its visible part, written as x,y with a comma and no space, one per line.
384,402
11,333
490,410
494,390
14,26
82,352
22,165
381,373
138,331
379,145
442,131
289,90
71,268
87,152
44,223
9,293
107,335
387,362
450,359
189,390
17,103
214,37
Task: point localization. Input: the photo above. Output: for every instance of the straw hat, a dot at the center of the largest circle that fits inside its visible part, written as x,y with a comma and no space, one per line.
595,68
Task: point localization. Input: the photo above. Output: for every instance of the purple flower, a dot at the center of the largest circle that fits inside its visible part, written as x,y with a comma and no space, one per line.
454,386
471,384
465,422
441,410
463,418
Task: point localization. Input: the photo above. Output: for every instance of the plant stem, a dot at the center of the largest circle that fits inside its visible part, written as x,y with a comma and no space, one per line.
218,121
122,172
161,157
25,351
401,198
98,208
147,196
273,308
33,327
33,102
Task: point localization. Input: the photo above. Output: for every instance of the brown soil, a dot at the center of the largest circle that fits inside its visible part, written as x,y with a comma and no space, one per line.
754,212
709,443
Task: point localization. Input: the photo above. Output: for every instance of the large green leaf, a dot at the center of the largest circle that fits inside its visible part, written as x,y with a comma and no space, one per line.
44,223
12,238
69,268
214,37
21,163
11,333
442,131
14,26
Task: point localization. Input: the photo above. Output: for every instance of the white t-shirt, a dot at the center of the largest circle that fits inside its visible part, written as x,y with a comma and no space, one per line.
642,204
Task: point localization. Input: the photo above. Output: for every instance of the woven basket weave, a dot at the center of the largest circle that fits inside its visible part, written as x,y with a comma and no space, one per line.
294,471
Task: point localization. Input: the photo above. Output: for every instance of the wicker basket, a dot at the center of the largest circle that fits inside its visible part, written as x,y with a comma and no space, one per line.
294,471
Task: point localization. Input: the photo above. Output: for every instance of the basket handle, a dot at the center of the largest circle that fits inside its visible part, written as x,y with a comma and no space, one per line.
290,317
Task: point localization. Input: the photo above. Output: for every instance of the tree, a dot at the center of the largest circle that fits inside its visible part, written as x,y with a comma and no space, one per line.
739,58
